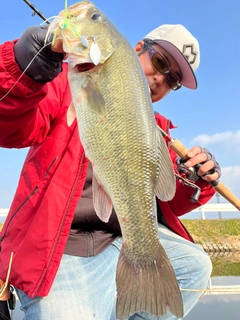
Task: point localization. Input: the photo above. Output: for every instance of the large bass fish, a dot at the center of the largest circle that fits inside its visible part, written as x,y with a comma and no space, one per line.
131,163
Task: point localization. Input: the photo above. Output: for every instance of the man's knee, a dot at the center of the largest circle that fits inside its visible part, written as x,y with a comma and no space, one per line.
202,267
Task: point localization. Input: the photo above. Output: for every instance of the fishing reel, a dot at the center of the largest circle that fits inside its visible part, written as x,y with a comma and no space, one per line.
189,172
189,177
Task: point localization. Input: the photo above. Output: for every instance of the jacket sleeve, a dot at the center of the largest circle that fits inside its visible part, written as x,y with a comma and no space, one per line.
27,107
181,204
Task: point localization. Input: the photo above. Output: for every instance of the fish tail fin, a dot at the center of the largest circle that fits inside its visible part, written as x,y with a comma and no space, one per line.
151,288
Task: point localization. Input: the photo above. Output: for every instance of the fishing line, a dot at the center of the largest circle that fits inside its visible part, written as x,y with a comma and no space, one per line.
58,21
46,44
24,71
59,24
41,25
48,21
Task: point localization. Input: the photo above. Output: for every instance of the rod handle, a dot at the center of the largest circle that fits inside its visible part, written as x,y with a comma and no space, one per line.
227,194
179,148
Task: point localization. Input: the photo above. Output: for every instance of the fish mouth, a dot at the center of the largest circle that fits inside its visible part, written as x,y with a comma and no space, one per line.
80,63
82,67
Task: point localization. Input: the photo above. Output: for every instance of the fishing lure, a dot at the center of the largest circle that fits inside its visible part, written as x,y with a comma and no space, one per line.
66,22
61,24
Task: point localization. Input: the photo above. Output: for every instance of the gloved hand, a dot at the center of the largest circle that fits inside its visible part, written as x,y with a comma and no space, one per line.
209,169
47,64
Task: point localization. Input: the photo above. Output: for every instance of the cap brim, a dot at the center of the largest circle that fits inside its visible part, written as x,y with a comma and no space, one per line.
189,80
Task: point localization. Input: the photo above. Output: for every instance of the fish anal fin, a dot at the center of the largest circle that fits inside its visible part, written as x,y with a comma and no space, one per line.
151,288
165,186
101,201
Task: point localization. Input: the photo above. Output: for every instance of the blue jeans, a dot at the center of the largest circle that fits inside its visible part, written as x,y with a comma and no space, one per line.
84,288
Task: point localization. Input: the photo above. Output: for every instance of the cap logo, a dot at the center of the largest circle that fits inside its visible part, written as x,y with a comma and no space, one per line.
189,54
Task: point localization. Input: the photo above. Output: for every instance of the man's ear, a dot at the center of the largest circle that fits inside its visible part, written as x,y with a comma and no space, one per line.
139,46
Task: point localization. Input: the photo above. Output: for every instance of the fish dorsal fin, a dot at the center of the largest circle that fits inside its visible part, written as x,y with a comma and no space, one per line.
101,201
93,94
165,187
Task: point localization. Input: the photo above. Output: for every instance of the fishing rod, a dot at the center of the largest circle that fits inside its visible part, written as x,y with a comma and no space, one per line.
182,151
36,11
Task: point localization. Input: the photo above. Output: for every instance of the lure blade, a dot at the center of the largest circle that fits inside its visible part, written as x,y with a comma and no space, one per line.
95,53
84,41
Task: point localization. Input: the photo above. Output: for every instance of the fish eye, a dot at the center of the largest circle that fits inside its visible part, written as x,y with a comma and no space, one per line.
95,16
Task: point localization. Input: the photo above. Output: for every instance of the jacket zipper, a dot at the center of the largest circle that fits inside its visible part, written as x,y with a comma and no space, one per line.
50,166
63,221
14,214
23,203
90,243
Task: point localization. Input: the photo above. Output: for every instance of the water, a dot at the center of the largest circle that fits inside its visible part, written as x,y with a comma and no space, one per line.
222,307
218,306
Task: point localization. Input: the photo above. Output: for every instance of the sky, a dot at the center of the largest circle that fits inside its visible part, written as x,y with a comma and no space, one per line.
208,116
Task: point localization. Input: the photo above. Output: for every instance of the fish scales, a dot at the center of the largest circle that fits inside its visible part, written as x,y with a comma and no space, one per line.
131,163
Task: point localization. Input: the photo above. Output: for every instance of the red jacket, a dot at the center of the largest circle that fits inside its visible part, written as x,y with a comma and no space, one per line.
37,226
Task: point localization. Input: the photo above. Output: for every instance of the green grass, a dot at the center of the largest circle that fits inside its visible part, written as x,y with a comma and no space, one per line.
217,231
223,267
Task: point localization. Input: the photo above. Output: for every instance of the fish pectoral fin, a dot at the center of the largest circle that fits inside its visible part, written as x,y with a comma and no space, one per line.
152,287
101,201
71,114
165,187
94,97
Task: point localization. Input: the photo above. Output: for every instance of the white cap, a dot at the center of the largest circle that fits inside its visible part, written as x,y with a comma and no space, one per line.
182,46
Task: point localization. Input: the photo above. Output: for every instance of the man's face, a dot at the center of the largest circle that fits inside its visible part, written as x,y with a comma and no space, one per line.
157,81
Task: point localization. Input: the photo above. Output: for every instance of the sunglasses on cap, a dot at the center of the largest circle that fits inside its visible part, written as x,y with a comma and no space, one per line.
161,65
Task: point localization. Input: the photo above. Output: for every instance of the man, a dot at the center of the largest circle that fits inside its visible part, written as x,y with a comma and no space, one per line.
64,257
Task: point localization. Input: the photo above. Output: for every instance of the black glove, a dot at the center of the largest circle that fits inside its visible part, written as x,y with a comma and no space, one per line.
47,64
216,167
